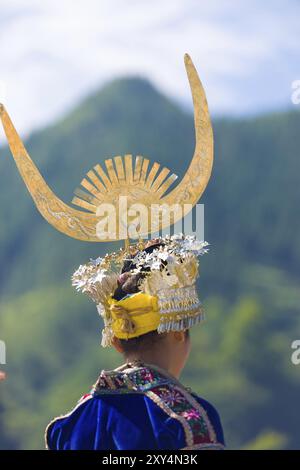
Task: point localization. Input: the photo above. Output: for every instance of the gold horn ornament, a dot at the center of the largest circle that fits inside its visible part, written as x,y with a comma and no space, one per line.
123,177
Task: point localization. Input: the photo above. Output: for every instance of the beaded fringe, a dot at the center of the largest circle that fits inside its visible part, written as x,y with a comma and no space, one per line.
179,309
179,324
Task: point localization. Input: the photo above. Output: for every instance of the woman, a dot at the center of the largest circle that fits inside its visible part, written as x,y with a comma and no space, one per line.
147,311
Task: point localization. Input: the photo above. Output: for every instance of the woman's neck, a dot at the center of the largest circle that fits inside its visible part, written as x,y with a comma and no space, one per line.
160,361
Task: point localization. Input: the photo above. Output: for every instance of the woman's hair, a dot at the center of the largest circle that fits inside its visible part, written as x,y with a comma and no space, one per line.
144,342
129,284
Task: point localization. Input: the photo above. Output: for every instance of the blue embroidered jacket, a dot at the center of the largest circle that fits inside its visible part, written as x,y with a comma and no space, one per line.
139,407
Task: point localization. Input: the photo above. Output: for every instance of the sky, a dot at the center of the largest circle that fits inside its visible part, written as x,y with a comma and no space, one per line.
55,52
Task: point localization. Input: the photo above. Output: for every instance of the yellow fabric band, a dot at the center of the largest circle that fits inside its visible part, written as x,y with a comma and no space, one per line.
134,316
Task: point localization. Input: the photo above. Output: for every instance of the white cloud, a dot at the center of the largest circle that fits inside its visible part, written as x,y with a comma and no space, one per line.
53,53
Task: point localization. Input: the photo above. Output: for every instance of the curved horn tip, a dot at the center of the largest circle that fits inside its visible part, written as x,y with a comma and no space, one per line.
187,58
2,109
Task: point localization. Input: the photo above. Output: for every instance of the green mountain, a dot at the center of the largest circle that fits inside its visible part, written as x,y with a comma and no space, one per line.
249,281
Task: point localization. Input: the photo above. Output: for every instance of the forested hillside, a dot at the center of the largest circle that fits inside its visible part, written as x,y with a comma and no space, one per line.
249,281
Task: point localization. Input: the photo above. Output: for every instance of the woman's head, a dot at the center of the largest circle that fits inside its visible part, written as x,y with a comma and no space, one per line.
170,350
154,293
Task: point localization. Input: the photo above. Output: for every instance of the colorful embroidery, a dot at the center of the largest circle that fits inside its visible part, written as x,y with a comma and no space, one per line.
137,380
180,405
172,397
166,392
207,446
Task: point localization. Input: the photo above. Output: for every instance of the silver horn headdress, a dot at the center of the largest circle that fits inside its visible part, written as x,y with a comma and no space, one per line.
166,299
123,177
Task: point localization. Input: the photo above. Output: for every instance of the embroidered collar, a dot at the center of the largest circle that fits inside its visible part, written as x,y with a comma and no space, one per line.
177,401
133,377
166,392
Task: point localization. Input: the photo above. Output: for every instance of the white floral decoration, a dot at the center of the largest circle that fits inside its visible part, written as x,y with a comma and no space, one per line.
170,269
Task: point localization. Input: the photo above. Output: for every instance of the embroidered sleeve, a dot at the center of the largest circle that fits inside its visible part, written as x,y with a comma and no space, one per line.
178,403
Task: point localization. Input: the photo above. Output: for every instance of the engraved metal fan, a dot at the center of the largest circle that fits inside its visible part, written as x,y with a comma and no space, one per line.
123,177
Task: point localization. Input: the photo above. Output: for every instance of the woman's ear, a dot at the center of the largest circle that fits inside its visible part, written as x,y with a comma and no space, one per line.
117,345
179,336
